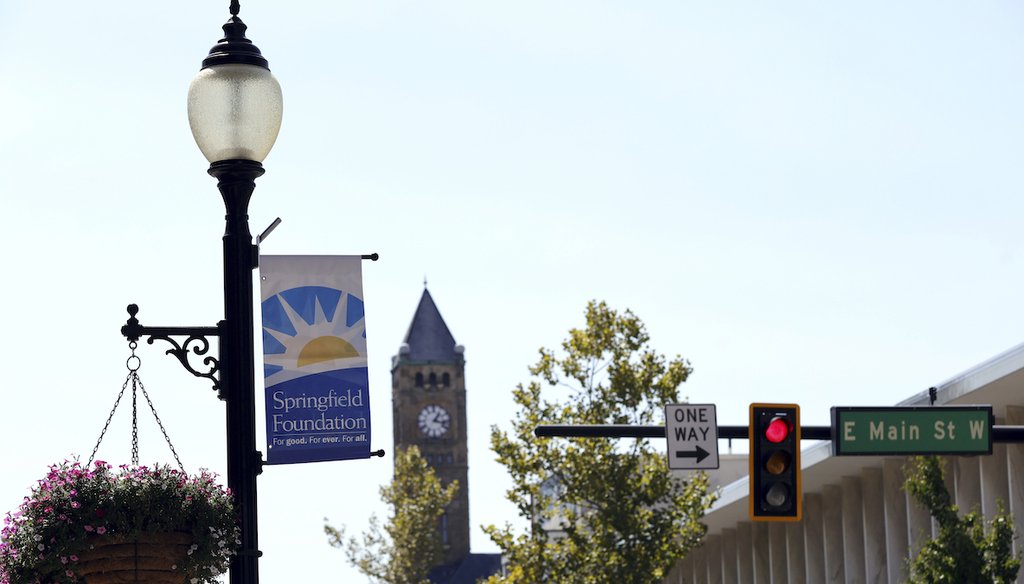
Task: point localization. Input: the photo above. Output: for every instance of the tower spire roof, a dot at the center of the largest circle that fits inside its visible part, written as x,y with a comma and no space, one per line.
428,337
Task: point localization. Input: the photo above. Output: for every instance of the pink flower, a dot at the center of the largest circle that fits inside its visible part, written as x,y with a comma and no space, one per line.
74,558
89,528
101,530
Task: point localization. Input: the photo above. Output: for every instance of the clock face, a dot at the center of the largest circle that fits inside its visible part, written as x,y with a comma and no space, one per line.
434,421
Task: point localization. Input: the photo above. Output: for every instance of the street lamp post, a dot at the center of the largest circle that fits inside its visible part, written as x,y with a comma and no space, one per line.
234,109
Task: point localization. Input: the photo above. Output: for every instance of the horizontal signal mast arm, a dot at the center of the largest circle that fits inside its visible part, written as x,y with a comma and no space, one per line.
999,433
630,431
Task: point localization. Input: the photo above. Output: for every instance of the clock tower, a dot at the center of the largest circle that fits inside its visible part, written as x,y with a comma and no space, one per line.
428,397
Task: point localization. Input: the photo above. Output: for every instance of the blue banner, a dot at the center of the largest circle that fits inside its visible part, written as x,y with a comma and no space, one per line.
314,359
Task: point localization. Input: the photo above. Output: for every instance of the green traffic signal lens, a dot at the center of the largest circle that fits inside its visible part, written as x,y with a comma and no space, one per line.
777,495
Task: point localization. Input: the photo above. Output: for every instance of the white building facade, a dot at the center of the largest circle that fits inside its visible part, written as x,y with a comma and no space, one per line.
858,524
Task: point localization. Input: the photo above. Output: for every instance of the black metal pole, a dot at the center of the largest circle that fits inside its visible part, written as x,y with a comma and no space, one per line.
236,180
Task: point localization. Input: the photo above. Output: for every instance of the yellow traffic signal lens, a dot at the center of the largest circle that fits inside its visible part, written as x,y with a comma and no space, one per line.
778,462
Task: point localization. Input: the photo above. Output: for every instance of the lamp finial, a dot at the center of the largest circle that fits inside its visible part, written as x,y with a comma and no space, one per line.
234,48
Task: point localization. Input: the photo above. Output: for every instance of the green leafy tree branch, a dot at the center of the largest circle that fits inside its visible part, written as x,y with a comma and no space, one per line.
408,546
600,510
964,552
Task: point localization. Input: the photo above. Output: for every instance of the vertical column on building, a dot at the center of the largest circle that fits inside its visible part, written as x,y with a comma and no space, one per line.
853,529
949,477
713,545
745,552
995,480
814,538
919,529
729,556
968,482
762,554
680,572
833,514
700,565
896,520
1015,473
995,483
777,552
795,551
875,567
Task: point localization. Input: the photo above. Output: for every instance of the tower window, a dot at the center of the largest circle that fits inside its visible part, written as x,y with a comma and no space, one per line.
419,380
444,530
446,379
433,379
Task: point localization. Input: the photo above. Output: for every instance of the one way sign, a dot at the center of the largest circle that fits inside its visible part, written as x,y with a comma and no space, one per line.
692,432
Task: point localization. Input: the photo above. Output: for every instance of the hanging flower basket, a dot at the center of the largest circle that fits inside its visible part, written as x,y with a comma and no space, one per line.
101,525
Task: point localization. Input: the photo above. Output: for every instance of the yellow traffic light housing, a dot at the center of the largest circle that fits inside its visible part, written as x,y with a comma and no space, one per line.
775,489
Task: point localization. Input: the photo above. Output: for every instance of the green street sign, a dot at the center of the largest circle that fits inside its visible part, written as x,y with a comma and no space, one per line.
912,430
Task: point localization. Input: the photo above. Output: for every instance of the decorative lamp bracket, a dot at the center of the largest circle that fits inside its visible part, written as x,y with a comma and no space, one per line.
196,342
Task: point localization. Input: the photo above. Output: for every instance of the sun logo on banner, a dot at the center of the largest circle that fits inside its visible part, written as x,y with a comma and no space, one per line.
312,329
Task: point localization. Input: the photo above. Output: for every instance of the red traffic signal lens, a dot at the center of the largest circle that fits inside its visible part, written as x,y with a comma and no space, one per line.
777,430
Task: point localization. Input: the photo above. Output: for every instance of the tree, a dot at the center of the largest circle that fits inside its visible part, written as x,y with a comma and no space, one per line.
408,546
963,552
619,515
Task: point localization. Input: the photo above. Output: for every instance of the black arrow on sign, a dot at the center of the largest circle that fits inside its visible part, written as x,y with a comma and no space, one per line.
700,454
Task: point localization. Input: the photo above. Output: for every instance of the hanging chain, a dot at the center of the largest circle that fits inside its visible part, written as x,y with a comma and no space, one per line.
135,417
160,423
116,403
133,363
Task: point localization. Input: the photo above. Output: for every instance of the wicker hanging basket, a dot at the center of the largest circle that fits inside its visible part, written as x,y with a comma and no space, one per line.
146,558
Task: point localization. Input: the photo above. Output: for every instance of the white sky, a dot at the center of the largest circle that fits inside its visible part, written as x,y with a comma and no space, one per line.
813,202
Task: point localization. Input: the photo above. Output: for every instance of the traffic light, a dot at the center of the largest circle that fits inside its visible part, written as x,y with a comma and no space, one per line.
775,492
